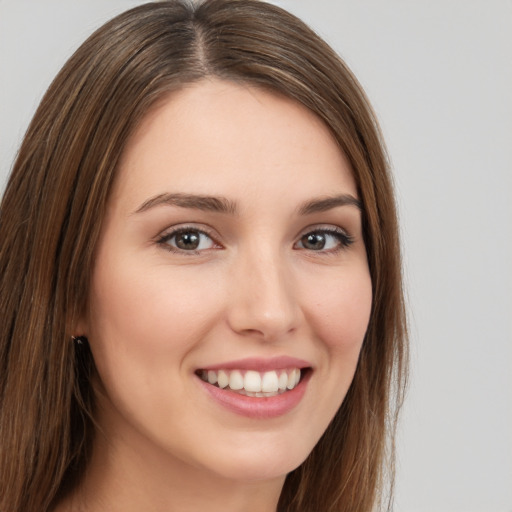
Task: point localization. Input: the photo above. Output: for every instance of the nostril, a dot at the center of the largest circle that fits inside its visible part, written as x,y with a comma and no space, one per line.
265,311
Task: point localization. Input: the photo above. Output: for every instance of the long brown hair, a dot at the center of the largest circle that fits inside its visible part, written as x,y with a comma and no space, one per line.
52,211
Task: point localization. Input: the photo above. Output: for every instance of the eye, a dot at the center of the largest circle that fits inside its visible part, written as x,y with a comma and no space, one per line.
187,240
326,240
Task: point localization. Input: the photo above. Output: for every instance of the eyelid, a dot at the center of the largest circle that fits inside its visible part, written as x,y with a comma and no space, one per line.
346,239
327,228
172,231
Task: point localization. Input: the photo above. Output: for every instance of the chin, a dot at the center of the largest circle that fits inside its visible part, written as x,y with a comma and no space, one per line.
260,462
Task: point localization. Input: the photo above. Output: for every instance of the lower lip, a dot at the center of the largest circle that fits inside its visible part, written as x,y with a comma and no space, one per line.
254,407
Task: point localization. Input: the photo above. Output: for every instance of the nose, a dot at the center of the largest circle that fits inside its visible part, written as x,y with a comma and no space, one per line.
263,298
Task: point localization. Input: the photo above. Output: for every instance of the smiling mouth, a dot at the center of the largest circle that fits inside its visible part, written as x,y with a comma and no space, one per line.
253,383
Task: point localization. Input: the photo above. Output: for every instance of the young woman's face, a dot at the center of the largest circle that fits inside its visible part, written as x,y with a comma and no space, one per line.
231,260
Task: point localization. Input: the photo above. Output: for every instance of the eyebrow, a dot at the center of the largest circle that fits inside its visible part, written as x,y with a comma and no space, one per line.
223,205
196,202
328,203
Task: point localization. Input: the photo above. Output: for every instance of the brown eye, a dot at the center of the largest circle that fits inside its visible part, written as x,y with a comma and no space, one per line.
187,240
313,241
326,240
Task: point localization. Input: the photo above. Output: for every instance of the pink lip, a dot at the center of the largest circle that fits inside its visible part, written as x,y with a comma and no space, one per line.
258,408
260,364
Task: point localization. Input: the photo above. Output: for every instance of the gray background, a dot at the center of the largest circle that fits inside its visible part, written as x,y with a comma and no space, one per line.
439,74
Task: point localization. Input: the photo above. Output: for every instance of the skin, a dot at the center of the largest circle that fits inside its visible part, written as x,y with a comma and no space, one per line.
156,313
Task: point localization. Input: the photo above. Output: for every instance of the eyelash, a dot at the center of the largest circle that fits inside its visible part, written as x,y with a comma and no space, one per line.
164,239
344,239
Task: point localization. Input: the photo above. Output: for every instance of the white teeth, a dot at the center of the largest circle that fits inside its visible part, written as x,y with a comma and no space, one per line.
236,380
269,383
293,378
222,379
283,381
253,383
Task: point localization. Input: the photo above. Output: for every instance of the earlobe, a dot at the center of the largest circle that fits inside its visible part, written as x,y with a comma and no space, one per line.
79,340
79,328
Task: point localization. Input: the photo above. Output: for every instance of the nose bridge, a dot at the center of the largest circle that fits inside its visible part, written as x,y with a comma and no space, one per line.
264,302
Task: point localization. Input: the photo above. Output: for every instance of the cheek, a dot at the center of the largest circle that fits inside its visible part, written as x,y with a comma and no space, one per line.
342,310
152,306
143,324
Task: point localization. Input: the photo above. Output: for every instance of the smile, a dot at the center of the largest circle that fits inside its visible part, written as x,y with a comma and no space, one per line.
253,383
258,388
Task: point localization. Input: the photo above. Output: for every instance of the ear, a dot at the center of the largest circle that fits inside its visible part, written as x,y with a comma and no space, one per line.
79,326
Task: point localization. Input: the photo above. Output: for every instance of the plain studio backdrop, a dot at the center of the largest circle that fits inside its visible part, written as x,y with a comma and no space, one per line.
439,74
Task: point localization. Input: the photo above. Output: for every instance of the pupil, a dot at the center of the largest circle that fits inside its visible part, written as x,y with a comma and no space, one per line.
188,240
314,241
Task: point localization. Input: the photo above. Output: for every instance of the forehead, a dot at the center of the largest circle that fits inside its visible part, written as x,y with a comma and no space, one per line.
216,137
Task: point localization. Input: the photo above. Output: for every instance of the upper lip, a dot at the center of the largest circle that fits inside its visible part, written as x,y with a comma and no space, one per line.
260,364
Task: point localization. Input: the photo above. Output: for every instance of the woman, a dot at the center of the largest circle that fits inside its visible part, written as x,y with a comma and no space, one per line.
201,298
